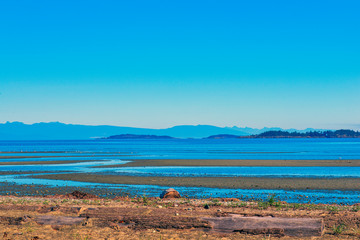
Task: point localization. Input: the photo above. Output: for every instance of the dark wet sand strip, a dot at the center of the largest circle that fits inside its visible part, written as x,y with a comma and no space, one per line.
22,172
15,157
64,156
67,152
234,163
215,182
37,152
45,162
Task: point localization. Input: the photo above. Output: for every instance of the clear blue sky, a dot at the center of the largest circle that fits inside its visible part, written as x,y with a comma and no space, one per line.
163,63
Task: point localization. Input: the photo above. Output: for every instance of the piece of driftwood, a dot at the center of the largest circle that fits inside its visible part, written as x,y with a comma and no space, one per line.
297,227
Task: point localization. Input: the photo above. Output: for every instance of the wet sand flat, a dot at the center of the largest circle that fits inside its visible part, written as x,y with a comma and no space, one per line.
216,182
35,152
236,163
44,162
21,172
15,157
62,156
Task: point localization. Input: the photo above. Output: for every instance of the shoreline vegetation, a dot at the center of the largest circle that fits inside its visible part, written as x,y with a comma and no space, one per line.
215,182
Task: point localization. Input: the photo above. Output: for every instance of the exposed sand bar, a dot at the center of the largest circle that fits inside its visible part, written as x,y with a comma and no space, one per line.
15,157
36,152
63,156
234,163
67,152
216,182
21,172
44,162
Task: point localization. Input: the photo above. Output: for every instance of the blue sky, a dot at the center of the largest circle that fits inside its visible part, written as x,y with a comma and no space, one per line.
164,63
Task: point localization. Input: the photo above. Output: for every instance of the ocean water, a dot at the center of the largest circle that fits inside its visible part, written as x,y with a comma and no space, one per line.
198,148
109,152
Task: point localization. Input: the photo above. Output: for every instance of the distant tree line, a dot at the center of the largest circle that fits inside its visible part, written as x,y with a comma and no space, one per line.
343,133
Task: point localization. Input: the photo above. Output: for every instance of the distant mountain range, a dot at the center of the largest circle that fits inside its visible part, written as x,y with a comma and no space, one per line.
254,131
342,133
223,136
135,136
61,131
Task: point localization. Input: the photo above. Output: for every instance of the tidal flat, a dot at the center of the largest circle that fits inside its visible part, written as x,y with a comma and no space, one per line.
42,162
296,170
351,184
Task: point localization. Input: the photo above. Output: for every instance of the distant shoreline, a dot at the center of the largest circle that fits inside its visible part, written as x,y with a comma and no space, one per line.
343,133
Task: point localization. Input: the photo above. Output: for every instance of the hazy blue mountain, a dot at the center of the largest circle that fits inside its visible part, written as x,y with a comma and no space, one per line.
60,131
198,131
136,136
254,131
223,136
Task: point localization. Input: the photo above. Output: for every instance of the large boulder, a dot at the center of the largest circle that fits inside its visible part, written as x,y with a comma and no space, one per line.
170,193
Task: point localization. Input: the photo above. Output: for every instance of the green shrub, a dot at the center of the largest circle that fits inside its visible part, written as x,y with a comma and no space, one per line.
338,229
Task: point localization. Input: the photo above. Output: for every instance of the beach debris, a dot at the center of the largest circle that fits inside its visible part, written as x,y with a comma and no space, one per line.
276,226
170,193
230,199
13,220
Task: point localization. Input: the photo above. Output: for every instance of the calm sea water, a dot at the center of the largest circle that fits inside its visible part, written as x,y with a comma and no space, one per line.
202,149
106,152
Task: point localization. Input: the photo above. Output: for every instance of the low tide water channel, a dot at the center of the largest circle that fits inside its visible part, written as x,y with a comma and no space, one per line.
95,153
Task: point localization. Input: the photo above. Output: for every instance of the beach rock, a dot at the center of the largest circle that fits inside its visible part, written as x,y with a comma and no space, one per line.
170,193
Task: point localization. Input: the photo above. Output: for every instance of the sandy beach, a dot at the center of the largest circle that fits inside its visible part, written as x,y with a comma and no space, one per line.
86,216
